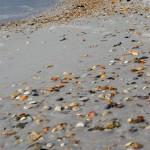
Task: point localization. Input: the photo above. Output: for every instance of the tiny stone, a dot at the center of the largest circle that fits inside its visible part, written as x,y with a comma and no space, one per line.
60,99
35,92
133,129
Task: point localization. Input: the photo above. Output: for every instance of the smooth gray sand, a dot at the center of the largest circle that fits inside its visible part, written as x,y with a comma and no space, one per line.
83,85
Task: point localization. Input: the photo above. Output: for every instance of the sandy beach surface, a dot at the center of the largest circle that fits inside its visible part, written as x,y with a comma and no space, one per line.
77,85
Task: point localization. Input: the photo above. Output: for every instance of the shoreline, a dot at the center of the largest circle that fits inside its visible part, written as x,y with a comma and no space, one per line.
67,10
63,12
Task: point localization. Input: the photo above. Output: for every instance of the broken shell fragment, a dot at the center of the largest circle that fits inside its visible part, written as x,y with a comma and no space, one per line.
133,52
22,97
59,108
133,146
138,119
34,136
112,124
59,127
91,115
80,125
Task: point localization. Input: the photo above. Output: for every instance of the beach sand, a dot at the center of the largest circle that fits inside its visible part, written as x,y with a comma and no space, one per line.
77,84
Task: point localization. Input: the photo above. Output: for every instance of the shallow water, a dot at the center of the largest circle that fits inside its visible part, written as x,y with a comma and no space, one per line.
15,9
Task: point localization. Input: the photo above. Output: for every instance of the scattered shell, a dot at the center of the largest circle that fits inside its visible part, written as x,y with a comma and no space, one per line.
55,78
133,146
91,115
49,145
9,133
148,74
80,125
138,69
27,93
58,108
59,127
74,106
62,144
112,124
84,99
133,52
138,119
22,97
14,95
34,136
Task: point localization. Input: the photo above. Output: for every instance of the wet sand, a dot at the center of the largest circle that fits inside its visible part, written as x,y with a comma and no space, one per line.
77,85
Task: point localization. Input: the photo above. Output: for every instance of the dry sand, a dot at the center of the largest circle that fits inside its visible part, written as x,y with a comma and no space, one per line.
81,85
